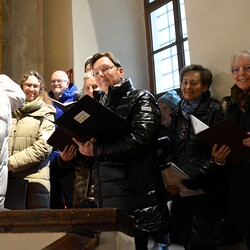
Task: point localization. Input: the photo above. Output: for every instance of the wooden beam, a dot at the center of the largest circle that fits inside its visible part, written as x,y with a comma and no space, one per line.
61,220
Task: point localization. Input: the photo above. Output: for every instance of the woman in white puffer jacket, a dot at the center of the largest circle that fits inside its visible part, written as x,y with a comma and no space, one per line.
11,98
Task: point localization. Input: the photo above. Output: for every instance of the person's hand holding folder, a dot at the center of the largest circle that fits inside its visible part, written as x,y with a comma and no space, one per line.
173,178
172,182
246,142
226,139
86,148
68,153
220,155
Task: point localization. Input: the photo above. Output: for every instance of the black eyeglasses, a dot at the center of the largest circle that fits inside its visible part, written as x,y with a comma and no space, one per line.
104,70
58,81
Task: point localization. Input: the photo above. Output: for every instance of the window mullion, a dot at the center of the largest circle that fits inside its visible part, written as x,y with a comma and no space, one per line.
167,48
179,34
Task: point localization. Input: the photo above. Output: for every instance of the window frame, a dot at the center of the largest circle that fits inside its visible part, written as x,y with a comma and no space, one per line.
179,43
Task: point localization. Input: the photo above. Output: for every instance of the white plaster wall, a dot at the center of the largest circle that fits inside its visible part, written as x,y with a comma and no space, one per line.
84,38
111,25
216,29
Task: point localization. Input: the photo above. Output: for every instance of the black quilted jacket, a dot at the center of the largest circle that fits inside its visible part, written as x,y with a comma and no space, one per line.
122,173
197,221
190,153
238,177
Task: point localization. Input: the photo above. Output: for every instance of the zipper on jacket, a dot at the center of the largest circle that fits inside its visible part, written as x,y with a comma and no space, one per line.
187,125
14,137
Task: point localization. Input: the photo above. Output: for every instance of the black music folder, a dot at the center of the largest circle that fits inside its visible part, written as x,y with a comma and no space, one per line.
62,106
87,119
224,132
59,139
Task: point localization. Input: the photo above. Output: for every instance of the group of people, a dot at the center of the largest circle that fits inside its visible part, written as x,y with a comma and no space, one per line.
219,216
125,171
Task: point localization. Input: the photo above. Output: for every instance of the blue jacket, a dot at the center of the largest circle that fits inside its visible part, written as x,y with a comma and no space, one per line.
67,96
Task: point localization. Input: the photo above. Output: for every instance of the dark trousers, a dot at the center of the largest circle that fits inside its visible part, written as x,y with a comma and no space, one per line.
141,240
57,198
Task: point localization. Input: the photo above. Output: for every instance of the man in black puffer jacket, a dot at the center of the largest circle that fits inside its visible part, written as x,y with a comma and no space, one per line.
124,168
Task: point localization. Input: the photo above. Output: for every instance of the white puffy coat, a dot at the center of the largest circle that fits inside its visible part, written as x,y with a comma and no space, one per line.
11,98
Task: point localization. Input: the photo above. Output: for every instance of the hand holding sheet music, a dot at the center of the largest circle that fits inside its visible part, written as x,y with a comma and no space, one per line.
173,176
223,133
87,119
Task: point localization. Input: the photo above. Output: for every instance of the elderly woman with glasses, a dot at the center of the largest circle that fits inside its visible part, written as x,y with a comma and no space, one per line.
28,148
237,110
196,221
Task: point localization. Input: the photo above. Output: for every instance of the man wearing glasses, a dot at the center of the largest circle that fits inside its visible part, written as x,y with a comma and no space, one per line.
123,166
63,91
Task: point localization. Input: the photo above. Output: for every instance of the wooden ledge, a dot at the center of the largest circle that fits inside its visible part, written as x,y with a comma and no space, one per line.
61,220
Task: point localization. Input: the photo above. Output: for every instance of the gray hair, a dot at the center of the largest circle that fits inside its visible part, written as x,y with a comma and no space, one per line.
239,53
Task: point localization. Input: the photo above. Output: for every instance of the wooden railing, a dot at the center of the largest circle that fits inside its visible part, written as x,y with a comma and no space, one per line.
81,225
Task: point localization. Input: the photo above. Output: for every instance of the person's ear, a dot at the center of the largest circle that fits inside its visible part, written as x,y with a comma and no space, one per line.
205,89
121,71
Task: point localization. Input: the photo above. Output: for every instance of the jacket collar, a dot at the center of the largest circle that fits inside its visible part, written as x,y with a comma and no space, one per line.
118,91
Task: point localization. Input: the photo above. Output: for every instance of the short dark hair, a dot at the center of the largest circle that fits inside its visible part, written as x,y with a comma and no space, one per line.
87,62
206,75
109,55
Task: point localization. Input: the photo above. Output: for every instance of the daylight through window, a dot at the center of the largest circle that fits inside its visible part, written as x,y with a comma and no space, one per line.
167,43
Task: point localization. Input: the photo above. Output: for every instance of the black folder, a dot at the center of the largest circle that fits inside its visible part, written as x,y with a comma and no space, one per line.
227,133
62,106
59,139
87,119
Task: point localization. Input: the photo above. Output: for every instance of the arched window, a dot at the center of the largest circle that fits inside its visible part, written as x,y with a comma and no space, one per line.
167,38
